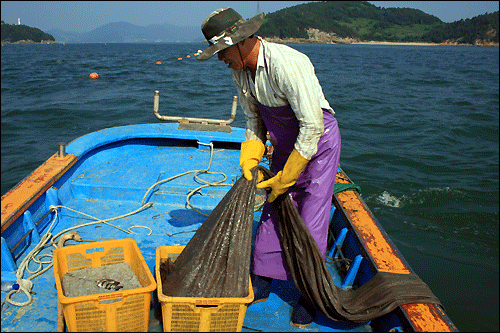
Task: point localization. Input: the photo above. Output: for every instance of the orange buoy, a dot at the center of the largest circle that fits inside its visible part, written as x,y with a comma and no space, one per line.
188,56
158,62
179,58
93,76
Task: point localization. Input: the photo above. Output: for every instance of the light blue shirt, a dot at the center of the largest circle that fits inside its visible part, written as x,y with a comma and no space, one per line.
291,81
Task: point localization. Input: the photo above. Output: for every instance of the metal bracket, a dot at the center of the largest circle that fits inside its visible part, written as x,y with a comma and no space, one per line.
197,124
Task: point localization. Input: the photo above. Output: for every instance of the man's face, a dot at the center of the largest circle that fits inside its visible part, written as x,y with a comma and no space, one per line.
231,56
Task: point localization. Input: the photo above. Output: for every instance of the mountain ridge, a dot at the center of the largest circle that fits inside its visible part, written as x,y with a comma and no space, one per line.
124,32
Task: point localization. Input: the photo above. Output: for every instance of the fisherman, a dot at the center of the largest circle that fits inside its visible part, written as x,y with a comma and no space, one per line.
280,94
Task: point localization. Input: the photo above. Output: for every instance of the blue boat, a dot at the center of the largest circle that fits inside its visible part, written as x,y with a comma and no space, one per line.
153,185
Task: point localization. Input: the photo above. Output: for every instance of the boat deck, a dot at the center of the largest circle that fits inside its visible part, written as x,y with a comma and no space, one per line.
103,188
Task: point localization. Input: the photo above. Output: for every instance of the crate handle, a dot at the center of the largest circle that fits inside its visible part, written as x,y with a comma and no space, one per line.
118,297
207,306
207,303
95,249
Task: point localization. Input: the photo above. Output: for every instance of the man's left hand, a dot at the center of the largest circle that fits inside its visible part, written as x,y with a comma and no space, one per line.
287,177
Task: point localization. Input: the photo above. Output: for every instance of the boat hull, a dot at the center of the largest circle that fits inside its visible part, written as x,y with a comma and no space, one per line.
113,172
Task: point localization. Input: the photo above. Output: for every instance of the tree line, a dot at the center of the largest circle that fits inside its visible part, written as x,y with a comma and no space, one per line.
484,27
364,21
12,33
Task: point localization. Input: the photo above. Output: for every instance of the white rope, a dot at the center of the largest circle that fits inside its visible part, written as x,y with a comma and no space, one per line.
25,285
196,172
106,221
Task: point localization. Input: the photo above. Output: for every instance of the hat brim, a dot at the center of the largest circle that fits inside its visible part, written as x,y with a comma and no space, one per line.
245,30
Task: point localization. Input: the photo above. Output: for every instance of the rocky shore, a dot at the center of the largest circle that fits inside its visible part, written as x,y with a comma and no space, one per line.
447,43
29,41
321,37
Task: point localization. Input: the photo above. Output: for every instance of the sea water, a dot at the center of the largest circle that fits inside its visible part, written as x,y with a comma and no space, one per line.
419,128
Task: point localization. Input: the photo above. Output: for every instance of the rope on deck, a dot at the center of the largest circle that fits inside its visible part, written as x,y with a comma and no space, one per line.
26,285
196,172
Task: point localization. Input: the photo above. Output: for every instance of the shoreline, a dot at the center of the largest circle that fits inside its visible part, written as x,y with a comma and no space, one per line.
29,41
398,43
350,41
425,44
311,41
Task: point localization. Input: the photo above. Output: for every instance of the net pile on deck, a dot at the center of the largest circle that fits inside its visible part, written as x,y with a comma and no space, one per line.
216,262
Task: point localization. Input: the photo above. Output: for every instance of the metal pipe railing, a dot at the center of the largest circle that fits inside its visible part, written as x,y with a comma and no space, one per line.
156,106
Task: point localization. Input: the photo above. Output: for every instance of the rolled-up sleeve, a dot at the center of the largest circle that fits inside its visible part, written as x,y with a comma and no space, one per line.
297,80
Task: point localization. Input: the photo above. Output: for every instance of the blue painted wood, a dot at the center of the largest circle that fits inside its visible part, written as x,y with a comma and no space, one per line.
91,141
352,272
8,264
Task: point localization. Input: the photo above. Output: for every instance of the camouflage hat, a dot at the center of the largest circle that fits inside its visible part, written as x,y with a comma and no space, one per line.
225,27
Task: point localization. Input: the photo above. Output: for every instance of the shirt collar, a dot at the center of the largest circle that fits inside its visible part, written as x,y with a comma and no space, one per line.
260,60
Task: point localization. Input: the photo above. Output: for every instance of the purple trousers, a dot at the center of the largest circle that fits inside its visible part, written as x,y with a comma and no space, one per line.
311,194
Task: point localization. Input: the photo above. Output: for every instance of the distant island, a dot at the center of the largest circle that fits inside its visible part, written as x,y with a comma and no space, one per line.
355,22
22,34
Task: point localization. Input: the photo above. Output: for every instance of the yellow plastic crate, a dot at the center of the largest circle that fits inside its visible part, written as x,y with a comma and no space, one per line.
197,314
118,311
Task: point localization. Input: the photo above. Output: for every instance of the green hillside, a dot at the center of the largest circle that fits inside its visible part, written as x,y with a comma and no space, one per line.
12,33
361,20
482,27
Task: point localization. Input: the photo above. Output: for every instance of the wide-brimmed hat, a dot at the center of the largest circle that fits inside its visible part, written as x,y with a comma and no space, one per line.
225,27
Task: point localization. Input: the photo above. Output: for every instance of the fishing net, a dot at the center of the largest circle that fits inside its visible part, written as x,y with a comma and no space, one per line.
380,295
216,262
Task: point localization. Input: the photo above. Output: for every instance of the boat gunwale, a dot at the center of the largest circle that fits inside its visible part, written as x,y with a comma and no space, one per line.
415,313
91,141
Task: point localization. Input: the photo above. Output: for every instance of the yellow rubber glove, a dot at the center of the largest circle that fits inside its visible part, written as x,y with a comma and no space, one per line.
287,177
250,156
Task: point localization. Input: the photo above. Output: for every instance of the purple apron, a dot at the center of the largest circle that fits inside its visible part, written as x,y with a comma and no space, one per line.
311,194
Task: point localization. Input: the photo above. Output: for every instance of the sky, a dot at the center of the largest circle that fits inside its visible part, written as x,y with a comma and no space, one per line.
85,16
